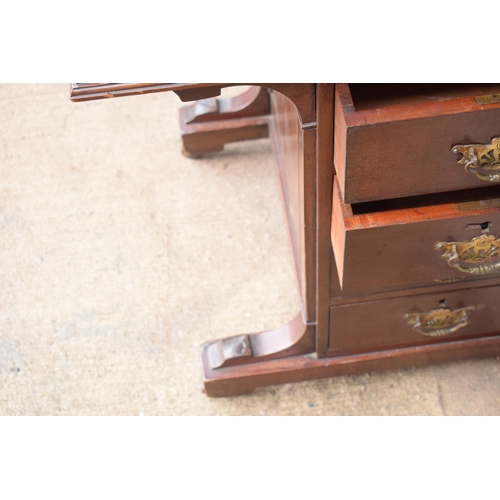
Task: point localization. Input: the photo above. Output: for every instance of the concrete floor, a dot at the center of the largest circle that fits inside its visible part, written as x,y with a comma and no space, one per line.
120,257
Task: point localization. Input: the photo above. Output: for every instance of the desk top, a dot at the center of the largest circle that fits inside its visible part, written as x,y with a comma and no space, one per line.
94,91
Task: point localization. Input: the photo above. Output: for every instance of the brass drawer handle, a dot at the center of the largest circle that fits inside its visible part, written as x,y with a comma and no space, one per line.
439,322
481,159
474,256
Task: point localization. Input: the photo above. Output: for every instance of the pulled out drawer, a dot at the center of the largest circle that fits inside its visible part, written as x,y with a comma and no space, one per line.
414,242
396,140
415,320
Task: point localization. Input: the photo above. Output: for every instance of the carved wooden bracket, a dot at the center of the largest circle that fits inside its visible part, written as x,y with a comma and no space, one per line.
287,340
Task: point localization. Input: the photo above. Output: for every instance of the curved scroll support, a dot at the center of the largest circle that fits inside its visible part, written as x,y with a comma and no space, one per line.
303,95
209,124
287,340
253,102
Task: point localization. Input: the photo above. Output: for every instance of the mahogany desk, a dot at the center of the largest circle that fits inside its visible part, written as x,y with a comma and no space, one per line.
393,207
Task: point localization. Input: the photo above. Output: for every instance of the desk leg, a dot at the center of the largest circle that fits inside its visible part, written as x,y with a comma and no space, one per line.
230,364
207,125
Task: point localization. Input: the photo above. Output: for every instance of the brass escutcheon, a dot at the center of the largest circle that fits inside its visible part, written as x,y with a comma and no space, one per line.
483,160
439,322
474,256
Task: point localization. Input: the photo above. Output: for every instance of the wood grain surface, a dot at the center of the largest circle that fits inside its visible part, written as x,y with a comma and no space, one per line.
404,148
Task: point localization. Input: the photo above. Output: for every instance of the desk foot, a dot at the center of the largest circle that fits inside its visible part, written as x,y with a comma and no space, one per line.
209,124
292,339
244,379
288,340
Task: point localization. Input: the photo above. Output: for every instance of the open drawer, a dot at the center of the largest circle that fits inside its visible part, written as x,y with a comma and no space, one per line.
419,241
397,140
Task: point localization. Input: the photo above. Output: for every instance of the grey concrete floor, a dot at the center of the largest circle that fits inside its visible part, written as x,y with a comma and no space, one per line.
120,257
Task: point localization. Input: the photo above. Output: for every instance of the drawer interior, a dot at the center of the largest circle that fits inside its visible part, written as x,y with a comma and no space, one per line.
465,199
381,95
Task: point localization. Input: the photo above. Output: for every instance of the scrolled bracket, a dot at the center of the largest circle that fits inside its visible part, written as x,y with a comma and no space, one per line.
294,338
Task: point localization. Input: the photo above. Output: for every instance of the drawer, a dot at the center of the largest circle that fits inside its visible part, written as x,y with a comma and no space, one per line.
415,320
392,141
383,246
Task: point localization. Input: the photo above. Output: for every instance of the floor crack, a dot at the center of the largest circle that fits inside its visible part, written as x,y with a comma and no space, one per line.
440,398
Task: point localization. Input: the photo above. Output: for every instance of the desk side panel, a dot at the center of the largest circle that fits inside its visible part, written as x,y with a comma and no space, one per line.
288,143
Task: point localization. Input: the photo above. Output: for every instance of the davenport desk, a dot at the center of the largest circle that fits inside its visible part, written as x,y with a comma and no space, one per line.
392,197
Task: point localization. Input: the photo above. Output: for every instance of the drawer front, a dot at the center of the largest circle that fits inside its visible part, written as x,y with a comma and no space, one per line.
410,150
413,321
414,247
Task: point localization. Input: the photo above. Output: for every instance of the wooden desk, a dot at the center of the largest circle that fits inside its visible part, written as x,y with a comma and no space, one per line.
375,243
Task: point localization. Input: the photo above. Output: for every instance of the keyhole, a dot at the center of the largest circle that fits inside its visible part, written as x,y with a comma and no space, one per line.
483,226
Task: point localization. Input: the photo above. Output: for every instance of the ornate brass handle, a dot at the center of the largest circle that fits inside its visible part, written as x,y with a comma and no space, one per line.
473,257
481,159
440,322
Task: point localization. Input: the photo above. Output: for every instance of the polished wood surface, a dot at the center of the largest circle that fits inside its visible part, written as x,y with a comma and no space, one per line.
288,146
186,91
235,381
392,149
381,324
394,249
324,183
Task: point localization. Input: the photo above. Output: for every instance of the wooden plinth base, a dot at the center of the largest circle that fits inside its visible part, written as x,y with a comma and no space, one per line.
244,379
